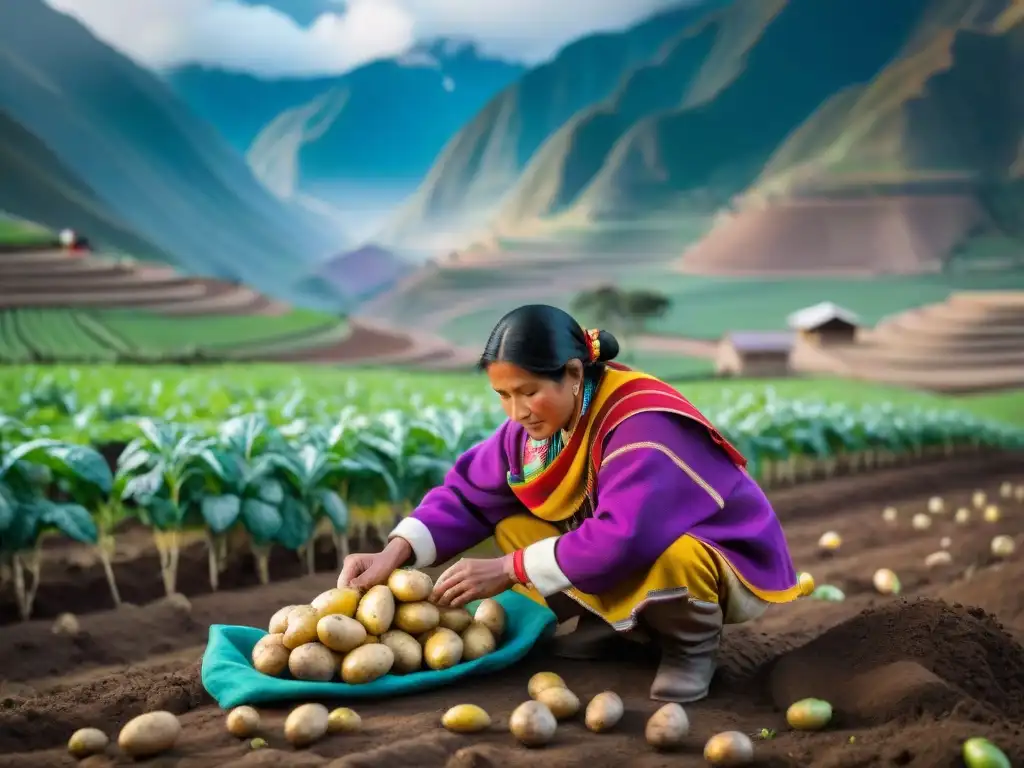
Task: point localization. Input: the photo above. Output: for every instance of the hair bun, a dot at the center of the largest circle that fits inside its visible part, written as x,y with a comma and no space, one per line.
609,347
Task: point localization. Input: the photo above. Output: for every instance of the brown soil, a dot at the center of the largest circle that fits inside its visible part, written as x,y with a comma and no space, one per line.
910,677
887,234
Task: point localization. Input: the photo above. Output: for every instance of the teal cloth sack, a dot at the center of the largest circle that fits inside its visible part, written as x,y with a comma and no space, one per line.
230,679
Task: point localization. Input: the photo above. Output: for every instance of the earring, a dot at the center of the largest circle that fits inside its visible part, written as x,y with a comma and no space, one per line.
575,389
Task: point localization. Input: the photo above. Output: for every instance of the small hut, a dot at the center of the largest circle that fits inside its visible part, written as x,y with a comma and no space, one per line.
825,324
754,353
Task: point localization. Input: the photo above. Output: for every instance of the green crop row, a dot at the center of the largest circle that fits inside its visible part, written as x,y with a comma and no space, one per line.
257,467
104,336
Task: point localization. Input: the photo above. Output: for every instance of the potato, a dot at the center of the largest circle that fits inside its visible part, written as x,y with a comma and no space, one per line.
305,724
408,653
370,640
1002,546
340,601
477,641
243,722
729,748
809,714
667,727
543,680
532,724
982,753
422,639
417,618
279,621
340,633
937,559
367,663
443,649
269,655
149,734
258,743
455,619
491,615
886,582
343,720
313,662
301,627
604,712
562,702
87,741
466,718
376,610
830,541
409,586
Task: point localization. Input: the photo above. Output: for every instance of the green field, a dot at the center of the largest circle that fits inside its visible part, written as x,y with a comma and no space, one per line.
18,232
708,307
94,400
97,336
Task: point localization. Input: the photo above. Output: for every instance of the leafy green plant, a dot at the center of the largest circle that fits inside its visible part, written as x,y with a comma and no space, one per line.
28,472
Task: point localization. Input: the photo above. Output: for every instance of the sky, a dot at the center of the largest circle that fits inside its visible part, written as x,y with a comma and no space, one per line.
317,37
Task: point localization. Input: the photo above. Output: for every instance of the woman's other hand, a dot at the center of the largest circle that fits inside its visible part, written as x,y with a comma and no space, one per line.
366,570
473,579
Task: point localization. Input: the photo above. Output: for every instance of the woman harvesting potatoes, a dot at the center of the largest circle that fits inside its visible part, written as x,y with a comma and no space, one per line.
605,485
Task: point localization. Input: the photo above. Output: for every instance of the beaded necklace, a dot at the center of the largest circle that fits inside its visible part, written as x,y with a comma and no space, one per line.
538,454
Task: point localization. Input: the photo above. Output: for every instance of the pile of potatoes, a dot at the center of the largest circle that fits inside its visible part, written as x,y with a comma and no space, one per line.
392,629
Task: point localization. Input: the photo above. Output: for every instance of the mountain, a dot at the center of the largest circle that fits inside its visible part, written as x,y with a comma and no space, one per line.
483,160
370,134
751,104
131,163
358,275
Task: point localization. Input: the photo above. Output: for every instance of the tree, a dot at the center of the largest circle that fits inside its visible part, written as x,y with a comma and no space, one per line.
625,313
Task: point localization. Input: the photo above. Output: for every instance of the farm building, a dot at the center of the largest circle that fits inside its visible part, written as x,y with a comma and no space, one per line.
825,324
754,353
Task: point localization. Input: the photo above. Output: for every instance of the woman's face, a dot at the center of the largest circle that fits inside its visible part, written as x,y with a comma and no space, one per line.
541,405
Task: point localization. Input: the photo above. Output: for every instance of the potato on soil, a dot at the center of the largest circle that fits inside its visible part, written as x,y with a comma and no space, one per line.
466,718
313,662
409,586
809,714
729,749
982,753
543,680
604,712
340,601
491,615
305,724
367,663
376,610
243,722
343,720
408,653
301,627
149,734
340,633
416,618
455,619
562,702
269,655
532,724
443,650
279,621
667,727
477,641
87,741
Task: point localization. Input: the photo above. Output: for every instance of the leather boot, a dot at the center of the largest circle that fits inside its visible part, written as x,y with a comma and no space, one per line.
592,639
689,634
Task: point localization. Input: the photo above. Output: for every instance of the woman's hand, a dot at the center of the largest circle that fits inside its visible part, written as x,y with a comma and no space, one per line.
473,579
363,571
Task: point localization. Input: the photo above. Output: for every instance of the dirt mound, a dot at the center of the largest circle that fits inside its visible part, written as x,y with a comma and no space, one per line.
890,235
42,721
904,660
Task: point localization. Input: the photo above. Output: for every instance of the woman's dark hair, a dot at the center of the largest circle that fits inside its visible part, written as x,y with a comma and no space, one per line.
543,339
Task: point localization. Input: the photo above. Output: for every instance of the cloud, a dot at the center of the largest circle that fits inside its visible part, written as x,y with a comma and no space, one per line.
245,36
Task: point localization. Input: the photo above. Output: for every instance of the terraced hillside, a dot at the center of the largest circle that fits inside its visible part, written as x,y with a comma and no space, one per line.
971,341
70,307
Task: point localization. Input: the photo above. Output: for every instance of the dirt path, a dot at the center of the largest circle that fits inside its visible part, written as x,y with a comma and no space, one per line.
910,679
